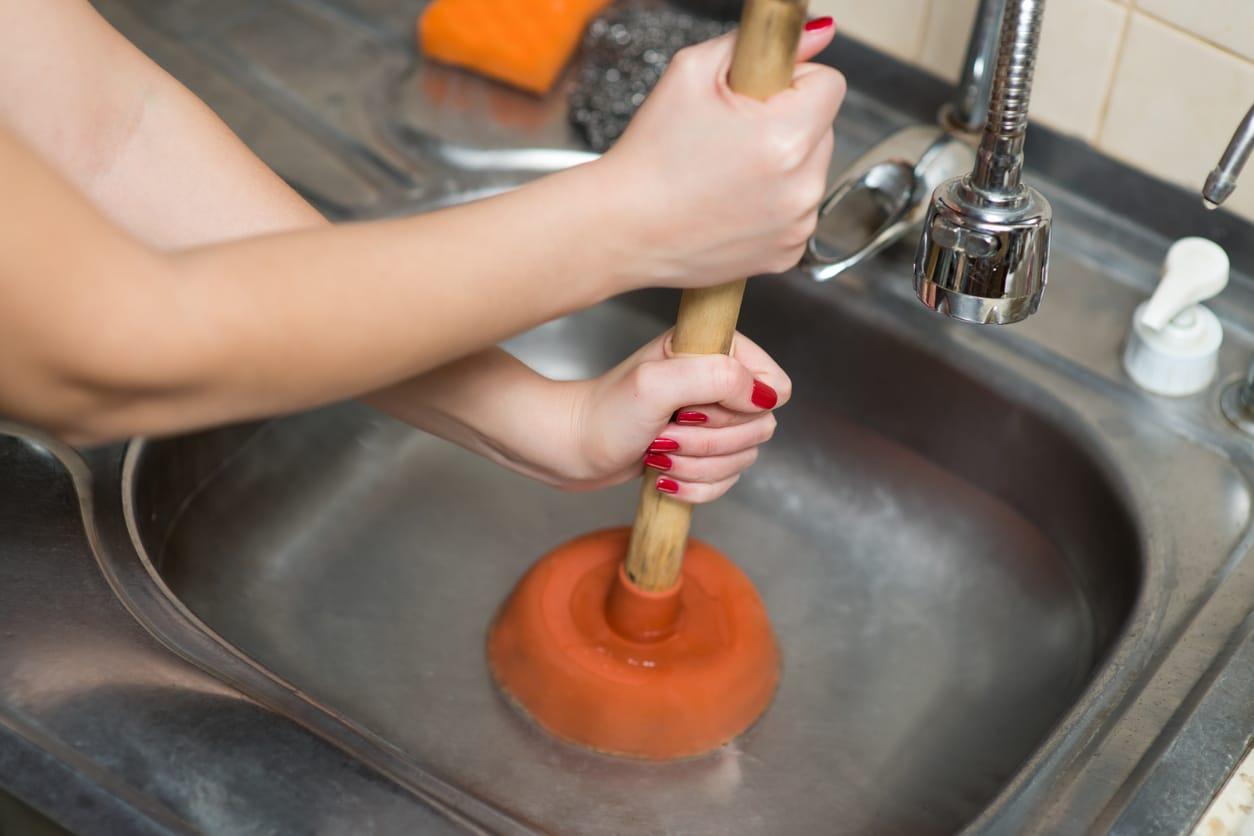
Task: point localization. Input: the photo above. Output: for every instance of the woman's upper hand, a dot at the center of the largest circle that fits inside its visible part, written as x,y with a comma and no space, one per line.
694,422
716,186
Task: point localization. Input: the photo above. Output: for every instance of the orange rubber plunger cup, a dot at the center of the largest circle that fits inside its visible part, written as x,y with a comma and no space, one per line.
642,643
598,661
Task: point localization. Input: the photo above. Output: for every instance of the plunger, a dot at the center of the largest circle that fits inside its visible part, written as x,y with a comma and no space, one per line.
641,642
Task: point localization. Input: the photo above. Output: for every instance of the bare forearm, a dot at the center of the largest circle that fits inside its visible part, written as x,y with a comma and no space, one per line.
149,154
358,307
494,405
116,339
152,157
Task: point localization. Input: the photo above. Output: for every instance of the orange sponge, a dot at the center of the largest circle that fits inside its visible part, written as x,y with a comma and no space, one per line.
523,42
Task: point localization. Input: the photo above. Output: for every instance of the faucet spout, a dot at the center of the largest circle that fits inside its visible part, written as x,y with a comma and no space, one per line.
1223,179
969,110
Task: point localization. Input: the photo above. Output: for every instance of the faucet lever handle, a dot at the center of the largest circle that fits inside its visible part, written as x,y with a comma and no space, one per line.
1195,270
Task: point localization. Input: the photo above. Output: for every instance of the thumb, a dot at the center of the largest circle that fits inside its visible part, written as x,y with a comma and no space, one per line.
664,386
707,55
717,52
818,33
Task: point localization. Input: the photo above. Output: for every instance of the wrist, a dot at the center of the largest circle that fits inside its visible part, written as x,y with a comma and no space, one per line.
568,452
618,225
539,431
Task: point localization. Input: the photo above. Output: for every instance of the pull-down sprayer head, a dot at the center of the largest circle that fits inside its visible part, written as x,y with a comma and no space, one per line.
984,253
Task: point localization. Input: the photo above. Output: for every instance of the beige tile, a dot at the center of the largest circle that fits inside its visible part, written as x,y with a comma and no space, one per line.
1229,23
945,41
1174,104
893,26
1079,45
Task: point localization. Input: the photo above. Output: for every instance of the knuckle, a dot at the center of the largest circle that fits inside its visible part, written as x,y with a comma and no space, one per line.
718,489
800,200
812,195
808,225
705,473
783,150
693,492
828,143
711,492
769,424
839,83
725,375
711,474
645,378
686,61
727,466
709,445
751,458
801,231
775,265
795,254
833,86
787,258
681,469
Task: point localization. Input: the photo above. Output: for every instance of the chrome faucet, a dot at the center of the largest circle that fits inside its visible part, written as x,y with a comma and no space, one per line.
969,109
1223,178
1237,402
984,251
1238,399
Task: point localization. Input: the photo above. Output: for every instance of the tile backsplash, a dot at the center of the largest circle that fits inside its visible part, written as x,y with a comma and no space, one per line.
1157,84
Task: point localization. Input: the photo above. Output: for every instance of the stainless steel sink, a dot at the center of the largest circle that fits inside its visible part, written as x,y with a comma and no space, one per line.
985,556
1013,591
937,611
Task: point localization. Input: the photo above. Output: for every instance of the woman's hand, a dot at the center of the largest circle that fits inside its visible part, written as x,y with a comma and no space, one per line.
715,186
694,422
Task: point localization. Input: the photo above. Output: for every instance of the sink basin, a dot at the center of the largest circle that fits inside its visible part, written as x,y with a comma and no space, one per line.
945,565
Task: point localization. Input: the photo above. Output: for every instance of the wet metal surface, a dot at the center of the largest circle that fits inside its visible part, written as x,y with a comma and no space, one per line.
1013,592
105,731
931,633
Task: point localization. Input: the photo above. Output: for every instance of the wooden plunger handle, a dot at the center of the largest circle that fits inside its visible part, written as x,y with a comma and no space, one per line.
762,65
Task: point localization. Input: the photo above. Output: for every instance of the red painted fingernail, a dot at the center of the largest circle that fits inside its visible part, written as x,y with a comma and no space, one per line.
688,416
665,445
818,23
657,461
667,485
763,395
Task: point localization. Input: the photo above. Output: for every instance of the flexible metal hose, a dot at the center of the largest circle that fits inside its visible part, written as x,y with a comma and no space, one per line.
999,159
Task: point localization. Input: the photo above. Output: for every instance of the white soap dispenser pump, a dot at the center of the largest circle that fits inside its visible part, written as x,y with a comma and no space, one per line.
1173,347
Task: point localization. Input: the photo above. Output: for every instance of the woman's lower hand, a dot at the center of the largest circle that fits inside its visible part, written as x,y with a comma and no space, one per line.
692,423
712,186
